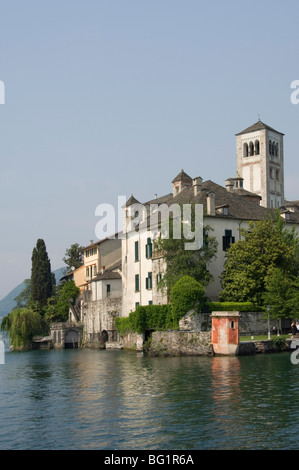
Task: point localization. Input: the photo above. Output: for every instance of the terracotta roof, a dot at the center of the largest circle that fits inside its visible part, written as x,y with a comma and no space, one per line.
259,125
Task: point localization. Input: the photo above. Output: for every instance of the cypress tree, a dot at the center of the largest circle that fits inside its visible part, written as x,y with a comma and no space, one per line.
41,276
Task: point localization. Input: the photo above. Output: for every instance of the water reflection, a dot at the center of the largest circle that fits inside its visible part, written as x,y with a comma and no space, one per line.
83,399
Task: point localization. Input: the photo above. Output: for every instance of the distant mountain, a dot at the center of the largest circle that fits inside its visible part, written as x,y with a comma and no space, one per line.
8,303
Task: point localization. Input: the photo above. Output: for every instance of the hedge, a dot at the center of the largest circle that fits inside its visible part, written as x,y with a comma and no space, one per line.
233,306
149,317
162,317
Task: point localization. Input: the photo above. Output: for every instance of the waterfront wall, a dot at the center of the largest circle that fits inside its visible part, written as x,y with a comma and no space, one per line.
98,319
247,348
191,343
250,323
133,341
180,343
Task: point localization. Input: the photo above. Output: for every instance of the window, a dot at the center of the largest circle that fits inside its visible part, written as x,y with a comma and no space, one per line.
149,281
158,277
137,282
136,304
108,290
232,325
245,150
257,147
277,174
150,302
136,251
87,272
148,249
227,240
251,149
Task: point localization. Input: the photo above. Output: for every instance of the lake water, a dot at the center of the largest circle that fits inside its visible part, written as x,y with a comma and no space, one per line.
88,399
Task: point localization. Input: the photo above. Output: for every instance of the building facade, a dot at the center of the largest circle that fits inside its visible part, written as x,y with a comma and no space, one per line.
260,162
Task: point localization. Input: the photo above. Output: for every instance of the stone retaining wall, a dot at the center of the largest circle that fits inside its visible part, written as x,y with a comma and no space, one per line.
180,343
256,347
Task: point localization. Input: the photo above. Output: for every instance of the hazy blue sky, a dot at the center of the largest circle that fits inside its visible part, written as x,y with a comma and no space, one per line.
114,97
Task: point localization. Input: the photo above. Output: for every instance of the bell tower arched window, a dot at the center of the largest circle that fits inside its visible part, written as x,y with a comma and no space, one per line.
251,149
245,149
257,147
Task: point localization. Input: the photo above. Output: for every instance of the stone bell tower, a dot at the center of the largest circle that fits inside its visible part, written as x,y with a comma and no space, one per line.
260,163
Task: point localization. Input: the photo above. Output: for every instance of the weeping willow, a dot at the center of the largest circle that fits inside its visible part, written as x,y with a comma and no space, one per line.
22,324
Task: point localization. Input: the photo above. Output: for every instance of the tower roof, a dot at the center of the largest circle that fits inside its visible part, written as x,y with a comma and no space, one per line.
259,125
182,176
132,200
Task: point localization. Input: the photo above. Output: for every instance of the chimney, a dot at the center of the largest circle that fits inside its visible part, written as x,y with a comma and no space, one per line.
229,183
103,269
211,204
197,183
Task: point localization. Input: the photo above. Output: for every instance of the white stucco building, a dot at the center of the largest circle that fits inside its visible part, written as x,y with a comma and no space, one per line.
256,188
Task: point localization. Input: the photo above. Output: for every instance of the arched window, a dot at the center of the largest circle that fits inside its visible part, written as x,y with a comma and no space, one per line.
276,150
251,149
273,148
257,147
270,147
245,150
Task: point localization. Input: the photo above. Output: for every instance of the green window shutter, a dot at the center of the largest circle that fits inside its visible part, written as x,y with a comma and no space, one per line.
146,282
136,282
149,248
136,251
150,281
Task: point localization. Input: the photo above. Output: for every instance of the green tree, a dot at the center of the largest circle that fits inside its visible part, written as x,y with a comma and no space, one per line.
250,260
41,276
180,261
58,306
73,257
278,287
22,324
186,294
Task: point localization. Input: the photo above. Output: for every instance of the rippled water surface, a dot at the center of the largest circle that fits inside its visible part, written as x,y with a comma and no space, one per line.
87,399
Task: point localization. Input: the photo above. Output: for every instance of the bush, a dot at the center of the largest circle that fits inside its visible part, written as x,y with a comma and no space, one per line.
186,294
149,317
279,342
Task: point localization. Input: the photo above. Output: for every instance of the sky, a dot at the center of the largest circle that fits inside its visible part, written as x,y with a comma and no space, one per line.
108,98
